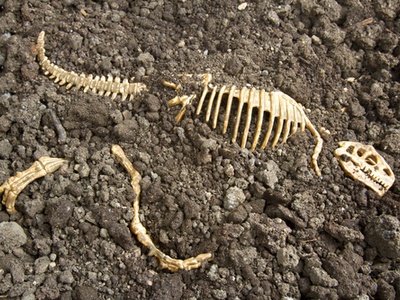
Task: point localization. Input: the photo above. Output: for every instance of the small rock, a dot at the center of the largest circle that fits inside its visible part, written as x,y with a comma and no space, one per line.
108,218
273,17
152,102
106,65
85,293
329,32
75,41
59,212
385,290
242,6
219,294
5,124
319,276
17,271
383,233
5,149
28,296
2,59
233,66
390,142
146,59
238,215
356,109
41,264
271,233
69,2
233,197
127,130
287,257
343,233
229,170
11,235
341,270
269,176
66,277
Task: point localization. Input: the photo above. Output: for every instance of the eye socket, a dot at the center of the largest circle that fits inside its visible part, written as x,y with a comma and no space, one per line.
388,172
371,160
361,151
350,149
345,158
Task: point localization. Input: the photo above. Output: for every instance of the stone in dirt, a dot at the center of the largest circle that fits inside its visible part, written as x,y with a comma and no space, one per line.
11,236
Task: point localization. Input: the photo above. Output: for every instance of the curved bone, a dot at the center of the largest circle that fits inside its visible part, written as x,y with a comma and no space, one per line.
14,185
98,85
139,230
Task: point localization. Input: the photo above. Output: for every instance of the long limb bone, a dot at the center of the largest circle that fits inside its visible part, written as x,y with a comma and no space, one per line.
14,185
165,261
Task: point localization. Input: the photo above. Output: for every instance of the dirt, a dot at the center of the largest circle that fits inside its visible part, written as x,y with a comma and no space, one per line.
275,229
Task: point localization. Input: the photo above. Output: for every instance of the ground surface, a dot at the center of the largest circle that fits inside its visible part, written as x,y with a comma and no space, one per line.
275,229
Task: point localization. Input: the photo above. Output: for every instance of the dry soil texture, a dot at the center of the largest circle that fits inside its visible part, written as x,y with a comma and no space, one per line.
275,229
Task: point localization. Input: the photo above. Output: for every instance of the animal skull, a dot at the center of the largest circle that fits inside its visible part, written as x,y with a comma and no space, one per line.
363,163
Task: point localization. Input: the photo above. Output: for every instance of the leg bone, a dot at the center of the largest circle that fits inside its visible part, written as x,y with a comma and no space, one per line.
165,261
14,185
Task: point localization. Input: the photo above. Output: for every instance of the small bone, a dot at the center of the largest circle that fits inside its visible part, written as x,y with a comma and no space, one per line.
165,261
62,134
14,185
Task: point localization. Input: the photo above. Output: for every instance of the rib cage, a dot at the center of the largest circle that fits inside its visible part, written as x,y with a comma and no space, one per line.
283,110
98,85
279,106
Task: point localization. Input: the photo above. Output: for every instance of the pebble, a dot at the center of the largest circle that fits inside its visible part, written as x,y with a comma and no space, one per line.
219,294
242,6
390,141
2,59
287,257
273,17
229,170
5,124
233,197
153,103
11,235
53,256
269,175
41,264
146,59
28,296
59,212
67,277
5,149
319,276
233,66
104,233
75,40
17,271
383,234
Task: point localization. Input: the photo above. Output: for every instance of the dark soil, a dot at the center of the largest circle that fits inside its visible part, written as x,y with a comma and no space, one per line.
294,236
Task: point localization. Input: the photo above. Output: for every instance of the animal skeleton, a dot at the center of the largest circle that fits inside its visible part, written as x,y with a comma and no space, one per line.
14,185
288,113
98,85
363,163
139,230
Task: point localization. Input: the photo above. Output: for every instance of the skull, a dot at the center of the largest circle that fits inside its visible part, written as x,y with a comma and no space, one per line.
363,163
